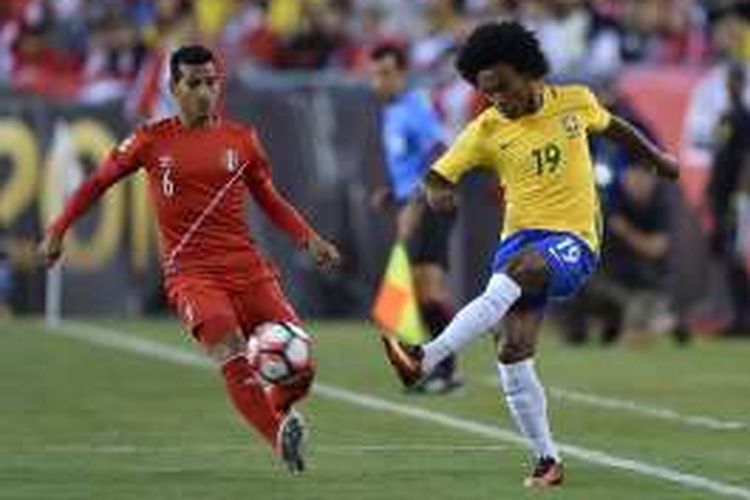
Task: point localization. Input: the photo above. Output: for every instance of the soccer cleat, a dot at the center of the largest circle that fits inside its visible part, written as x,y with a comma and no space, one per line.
406,359
548,472
291,439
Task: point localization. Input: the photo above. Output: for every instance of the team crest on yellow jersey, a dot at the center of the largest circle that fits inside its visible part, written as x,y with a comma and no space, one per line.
572,126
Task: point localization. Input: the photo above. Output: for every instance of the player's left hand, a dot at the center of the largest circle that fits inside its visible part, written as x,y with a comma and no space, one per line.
666,166
50,249
325,254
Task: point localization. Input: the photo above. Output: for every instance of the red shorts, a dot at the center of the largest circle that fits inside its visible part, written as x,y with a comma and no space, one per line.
210,312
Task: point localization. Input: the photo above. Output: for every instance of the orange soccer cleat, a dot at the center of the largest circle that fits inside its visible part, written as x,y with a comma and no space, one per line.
406,359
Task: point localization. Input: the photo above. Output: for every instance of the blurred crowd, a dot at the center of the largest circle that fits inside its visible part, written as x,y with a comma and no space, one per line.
91,50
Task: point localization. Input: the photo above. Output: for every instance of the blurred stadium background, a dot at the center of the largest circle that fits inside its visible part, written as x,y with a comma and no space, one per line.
77,75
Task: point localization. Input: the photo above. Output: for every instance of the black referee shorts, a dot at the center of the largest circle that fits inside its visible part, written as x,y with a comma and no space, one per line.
429,243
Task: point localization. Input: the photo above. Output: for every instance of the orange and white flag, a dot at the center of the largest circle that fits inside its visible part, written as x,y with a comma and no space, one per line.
395,309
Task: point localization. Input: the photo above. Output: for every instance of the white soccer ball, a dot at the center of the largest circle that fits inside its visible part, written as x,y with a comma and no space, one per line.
281,352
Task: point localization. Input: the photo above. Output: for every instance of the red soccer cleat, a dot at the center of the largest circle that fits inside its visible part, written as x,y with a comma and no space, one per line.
406,359
547,472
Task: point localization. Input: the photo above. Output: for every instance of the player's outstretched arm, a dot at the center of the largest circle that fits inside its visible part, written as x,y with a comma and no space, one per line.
287,218
106,175
641,148
260,184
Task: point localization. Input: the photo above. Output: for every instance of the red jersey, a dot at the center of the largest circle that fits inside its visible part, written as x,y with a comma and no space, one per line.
199,180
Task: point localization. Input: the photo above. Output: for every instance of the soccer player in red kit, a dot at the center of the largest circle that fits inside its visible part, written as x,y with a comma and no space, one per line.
200,168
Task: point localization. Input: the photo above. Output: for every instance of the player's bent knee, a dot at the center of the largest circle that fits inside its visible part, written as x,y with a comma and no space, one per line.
226,346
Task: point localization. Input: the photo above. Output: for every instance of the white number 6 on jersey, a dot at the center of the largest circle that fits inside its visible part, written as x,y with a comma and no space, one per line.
167,186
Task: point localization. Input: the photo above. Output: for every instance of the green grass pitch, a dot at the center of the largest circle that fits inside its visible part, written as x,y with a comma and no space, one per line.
81,420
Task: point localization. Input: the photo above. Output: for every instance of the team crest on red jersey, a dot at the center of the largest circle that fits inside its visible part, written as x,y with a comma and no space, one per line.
231,160
572,126
165,162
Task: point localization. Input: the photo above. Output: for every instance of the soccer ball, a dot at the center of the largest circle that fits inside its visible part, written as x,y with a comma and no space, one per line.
281,352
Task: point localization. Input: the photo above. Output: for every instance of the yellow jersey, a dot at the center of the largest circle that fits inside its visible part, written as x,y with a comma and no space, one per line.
542,160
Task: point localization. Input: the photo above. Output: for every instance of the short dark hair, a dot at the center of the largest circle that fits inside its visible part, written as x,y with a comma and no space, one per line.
188,54
506,42
394,50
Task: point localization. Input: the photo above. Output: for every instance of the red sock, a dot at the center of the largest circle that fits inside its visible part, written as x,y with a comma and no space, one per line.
284,396
249,399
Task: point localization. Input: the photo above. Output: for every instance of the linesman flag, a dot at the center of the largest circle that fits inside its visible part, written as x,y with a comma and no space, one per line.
395,309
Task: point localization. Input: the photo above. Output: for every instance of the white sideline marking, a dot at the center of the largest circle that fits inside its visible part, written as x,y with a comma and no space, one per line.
120,340
127,449
386,448
640,409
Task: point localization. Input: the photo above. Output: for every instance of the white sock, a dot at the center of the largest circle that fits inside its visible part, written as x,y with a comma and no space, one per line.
474,319
528,405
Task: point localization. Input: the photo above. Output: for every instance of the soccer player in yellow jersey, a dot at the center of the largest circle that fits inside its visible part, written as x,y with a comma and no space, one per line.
535,137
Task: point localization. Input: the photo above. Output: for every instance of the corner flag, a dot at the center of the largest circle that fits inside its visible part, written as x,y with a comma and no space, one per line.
395,309
66,175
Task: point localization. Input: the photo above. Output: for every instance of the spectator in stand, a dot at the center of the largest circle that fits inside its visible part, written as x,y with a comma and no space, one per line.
171,23
562,27
250,37
37,60
730,170
114,57
435,45
630,291
211,17
663,31
368,32
321,41
709,99
82,43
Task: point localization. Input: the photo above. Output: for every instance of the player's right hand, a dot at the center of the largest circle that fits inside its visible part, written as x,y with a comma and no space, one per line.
50,249
325,254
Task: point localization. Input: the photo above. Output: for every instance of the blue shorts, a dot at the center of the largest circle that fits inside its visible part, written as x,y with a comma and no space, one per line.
569,259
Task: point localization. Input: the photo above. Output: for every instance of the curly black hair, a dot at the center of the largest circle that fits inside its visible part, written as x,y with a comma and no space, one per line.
506,42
